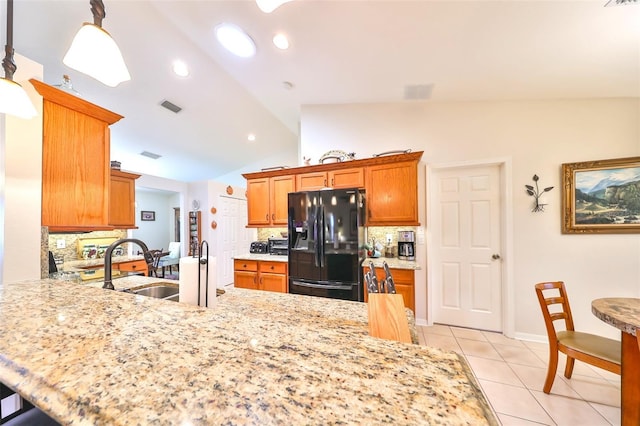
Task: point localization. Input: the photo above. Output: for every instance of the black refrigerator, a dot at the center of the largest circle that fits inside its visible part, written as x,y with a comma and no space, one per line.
326,243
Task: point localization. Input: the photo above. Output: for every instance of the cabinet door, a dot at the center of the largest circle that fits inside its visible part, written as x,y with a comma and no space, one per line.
75,175
347,178
392,194
311,181
280,187
245,279
273,276
258,201
273,282
122,200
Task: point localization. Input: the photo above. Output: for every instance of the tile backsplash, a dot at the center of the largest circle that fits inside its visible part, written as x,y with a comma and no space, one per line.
70,250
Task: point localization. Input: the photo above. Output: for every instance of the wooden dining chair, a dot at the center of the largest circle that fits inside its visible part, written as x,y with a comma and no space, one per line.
595,350
153,266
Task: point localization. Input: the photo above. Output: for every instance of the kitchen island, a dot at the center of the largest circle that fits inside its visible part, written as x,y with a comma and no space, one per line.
85,355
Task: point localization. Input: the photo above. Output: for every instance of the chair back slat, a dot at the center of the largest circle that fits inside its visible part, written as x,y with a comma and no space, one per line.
560,299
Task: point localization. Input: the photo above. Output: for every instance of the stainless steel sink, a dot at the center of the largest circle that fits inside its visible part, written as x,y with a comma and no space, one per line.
159,292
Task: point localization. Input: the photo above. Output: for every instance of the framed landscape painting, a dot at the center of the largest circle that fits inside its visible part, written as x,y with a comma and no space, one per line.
601,196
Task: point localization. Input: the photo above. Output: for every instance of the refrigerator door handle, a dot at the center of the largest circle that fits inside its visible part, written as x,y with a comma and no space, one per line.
321,238
316,239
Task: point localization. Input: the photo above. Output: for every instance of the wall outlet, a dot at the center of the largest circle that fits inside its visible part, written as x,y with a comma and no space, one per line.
389,238
61,244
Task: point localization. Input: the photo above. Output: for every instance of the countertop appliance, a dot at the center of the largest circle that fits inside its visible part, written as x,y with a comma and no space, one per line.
258,247
326,243
406,245
278,246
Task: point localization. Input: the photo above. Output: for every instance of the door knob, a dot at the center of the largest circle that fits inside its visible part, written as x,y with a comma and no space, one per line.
495,256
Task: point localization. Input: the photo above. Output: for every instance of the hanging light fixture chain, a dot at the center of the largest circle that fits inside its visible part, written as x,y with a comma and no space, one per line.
8,64
97,9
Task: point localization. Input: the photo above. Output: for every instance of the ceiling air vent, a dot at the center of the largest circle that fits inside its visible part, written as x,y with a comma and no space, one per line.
171,106
418,91
150,155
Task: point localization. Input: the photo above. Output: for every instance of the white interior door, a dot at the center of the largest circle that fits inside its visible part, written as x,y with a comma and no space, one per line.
467,275
234,238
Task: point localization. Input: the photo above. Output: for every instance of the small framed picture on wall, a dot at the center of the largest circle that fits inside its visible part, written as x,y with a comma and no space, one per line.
147,215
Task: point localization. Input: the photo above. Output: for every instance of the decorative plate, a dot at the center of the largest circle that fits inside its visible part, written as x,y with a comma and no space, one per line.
336,155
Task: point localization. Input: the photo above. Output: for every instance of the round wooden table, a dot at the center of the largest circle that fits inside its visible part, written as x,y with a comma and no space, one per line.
624,313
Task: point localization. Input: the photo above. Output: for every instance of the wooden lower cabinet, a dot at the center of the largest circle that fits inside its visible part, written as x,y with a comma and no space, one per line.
404,280
133,266
260,275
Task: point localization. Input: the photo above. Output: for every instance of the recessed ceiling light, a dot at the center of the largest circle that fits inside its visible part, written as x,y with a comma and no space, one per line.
251,137
180,68
281,41
235,40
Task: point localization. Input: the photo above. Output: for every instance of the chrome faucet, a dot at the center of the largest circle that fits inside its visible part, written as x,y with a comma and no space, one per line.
148,257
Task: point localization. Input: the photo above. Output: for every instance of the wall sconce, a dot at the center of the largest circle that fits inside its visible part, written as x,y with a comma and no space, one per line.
535,192
95,53
13,99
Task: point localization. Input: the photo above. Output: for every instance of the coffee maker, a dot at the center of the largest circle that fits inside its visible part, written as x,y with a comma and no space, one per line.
406,245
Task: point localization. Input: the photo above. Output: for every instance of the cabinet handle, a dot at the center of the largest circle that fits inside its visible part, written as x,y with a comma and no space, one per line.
266,216
272,267
331,181
324,182
273,216
254,279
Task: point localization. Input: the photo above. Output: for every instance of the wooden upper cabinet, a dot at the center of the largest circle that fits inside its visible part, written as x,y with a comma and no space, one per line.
258,202
122,199
280,187
390,183
75,162
311,181
346,178
267,200
342,178
392,194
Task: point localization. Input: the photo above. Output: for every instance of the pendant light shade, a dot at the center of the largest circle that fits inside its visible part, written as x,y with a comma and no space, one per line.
95,53
13,99
268,6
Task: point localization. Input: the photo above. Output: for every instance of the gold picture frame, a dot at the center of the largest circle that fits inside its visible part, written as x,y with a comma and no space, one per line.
601,196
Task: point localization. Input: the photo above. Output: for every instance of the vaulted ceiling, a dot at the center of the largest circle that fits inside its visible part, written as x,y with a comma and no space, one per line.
342,51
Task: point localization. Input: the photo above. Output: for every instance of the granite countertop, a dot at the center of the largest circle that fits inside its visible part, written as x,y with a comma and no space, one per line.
620,312
82,264
263,257
393,262
91,356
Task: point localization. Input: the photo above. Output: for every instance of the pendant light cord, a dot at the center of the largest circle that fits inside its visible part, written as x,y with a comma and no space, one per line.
7,63
97,9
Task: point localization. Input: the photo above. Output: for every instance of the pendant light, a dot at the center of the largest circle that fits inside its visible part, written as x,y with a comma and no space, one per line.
13,99
268,6
95,53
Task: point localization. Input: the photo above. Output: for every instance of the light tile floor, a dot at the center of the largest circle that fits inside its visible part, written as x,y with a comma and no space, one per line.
512,373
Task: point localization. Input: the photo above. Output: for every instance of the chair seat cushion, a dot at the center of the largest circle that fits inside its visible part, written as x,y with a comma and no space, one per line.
591,344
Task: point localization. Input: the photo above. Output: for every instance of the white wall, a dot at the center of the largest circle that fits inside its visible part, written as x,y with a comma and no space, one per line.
537,137
21,194
177,199
155,234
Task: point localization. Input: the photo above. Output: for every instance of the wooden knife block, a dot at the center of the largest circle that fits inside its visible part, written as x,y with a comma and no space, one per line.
388,318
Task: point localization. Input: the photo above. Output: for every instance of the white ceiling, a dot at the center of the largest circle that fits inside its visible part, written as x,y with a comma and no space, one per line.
342,51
